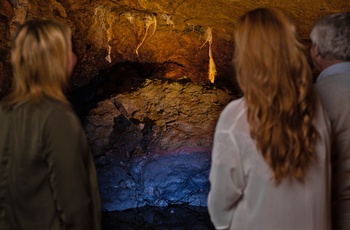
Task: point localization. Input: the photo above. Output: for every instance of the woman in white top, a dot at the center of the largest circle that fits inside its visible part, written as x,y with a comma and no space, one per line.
270,160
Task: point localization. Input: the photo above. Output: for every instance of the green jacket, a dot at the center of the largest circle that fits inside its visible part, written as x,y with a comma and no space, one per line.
47,174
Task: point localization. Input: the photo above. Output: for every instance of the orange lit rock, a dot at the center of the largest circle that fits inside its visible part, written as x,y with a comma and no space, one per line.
158,33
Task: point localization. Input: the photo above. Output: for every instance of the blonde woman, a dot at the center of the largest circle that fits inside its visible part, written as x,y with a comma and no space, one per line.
47,175
270,158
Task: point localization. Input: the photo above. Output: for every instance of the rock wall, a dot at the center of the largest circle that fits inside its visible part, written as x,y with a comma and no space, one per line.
142,87
171,38
152,143
157,116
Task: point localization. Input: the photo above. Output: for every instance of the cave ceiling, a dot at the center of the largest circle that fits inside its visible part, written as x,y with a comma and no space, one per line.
166,39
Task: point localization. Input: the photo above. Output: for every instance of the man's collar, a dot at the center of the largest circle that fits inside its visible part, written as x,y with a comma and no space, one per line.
336,69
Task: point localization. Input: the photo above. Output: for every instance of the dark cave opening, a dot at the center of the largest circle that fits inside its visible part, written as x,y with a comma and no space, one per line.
129,76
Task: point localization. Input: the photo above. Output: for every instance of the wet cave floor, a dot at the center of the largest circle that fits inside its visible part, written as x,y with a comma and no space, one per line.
177,217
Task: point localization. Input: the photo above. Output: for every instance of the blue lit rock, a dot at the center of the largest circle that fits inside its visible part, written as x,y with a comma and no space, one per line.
156,180
152,144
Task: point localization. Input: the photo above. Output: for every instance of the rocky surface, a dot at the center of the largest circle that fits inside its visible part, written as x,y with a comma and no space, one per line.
152,144
178,177
142,86
161,218
158,115
171,38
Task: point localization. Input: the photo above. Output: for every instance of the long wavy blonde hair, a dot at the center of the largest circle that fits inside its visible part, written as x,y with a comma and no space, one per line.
39,62
275,77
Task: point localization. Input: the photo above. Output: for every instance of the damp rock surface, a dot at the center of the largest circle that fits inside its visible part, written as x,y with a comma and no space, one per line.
173,38
156,180
152,144
179,217
151,138
157,116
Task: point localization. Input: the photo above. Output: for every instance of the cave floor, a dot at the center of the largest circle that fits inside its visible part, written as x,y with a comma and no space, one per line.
177,217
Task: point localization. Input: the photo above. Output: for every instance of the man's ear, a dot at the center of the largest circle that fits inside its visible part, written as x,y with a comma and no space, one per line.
316,50
316,57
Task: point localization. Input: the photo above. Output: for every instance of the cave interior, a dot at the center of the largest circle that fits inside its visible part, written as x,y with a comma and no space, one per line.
151,80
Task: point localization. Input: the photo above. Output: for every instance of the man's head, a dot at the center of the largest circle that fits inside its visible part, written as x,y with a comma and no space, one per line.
330,38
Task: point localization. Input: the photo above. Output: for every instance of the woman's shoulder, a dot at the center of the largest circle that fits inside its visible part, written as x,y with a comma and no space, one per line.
61,116
234,108
232,114
47,109
53,106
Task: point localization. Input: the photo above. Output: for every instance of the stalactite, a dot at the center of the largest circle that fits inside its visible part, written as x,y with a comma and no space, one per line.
212,67
109,39
149,20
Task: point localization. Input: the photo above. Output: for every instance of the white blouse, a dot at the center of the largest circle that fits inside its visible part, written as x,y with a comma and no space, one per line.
243,195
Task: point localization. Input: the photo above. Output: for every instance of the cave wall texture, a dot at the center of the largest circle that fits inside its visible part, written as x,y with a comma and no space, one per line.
142,88
168,37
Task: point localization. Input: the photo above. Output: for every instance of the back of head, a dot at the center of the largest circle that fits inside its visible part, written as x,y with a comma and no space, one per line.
276,80
39,61
267,47
332,36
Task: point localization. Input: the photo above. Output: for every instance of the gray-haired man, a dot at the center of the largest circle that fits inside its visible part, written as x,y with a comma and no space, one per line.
330,53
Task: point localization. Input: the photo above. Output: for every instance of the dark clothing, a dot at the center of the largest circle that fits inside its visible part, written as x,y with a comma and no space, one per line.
47,174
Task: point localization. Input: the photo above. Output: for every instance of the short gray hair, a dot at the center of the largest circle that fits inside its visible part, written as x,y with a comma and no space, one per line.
332,36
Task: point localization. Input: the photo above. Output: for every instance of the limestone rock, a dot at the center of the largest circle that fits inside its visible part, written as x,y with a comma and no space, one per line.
160,115
164,36
152,144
